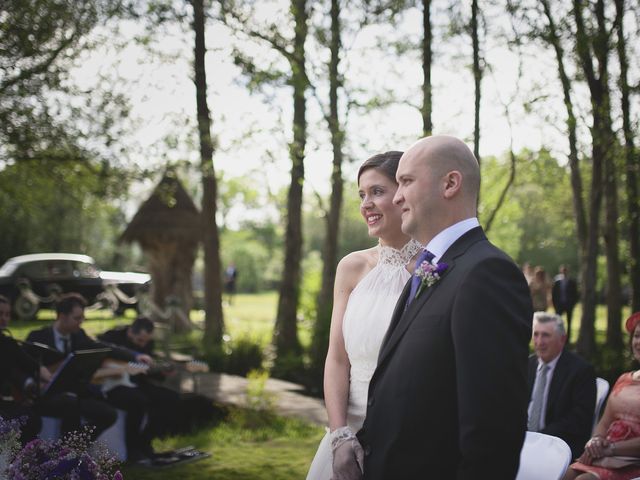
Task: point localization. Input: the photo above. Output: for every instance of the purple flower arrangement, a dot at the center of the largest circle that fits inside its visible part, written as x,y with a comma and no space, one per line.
73,457
429,273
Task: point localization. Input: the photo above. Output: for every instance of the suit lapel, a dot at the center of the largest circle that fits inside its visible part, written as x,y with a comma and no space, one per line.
51,339
397,314
403,318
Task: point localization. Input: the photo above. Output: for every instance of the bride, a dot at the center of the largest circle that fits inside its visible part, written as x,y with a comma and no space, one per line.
367,286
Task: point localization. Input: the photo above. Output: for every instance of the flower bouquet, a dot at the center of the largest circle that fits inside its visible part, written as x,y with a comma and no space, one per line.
73,457
9,442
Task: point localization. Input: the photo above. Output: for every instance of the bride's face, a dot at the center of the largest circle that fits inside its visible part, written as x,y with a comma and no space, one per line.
376,192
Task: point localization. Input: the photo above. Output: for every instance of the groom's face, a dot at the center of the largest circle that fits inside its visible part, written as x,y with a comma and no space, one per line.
417,195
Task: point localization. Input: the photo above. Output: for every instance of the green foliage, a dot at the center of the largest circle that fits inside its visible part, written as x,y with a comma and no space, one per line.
258,397
291,367
311,280
536,223
39,41
611,363
353,231
258,263
236,356
48,205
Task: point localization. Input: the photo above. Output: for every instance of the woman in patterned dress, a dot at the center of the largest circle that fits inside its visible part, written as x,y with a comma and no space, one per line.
618,431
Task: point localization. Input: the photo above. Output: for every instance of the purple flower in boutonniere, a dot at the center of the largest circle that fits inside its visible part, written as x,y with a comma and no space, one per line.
429,273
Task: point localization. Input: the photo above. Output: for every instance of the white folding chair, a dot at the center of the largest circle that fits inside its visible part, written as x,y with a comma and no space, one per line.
602,388
543,457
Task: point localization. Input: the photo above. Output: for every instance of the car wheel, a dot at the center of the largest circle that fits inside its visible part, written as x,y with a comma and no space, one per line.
53,290
108,300
25,308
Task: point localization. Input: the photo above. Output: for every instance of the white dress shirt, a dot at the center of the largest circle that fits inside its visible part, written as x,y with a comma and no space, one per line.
443,240
59,340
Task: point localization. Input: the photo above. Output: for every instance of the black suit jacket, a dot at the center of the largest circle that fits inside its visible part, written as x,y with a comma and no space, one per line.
571,400
448,399
118,336
571,295
15,364
79,341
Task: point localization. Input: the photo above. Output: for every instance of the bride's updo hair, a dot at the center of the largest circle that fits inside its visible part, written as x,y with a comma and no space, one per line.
386,163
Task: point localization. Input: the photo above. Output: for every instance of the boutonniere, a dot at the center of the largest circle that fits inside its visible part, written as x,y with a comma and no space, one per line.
429,273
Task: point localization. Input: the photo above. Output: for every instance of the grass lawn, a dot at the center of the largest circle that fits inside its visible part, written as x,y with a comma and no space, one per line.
250,316
278,449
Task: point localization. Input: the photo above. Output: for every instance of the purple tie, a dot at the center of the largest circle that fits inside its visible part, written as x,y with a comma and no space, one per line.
426,255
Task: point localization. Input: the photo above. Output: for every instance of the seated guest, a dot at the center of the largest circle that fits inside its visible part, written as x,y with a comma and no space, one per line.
86,401
163,403
19,375
562,386
617,434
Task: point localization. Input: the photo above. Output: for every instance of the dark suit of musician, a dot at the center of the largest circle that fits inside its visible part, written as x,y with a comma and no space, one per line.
126,398
448,399
163,404
18,371
571,399
86,401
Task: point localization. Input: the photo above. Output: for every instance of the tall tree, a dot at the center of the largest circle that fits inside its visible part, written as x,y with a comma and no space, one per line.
287,344
602,145
286,328
214,319
330,247
477,77
427,104
632,162
552,36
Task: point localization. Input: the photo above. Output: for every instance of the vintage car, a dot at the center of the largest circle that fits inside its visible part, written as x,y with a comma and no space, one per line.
37,280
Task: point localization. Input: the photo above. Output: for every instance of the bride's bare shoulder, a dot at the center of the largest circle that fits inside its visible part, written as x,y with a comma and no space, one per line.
356,264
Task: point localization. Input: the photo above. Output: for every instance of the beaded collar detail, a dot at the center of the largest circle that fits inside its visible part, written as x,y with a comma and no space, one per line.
400,258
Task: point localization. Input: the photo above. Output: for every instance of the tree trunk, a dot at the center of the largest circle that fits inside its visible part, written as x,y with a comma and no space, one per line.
214,319
602,109
286,327
330,248
600,144
477,78
632,164
427,106
574,163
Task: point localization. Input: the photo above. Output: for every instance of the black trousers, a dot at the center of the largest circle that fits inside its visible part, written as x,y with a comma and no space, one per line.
136,404
165,409
71,408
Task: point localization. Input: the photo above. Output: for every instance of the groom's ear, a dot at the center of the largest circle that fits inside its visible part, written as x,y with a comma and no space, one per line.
453,184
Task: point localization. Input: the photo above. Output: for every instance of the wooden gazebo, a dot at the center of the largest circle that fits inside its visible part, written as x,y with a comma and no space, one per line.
167,227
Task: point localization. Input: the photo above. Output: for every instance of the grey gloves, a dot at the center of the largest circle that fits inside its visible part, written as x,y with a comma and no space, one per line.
348,456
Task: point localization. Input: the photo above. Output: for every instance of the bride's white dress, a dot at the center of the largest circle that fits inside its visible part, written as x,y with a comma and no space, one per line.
364,325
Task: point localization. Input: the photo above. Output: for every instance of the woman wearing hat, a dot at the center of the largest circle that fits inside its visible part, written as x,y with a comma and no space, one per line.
613,453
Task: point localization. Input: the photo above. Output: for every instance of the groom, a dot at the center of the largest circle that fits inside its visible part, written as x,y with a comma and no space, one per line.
448,399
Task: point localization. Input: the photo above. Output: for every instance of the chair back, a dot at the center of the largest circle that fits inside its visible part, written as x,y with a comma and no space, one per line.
602,388
543,457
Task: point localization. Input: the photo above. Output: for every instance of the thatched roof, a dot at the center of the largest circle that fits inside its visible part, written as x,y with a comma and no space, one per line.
168,215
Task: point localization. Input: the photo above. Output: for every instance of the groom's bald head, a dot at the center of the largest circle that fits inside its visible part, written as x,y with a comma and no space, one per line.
443,154
438,184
